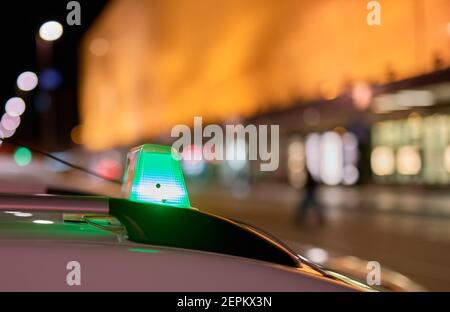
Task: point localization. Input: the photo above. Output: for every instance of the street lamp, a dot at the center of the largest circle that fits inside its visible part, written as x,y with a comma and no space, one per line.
27,81
50,31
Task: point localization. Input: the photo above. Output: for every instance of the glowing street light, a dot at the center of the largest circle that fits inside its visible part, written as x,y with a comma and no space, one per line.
27,81
50,31
10,122
15,106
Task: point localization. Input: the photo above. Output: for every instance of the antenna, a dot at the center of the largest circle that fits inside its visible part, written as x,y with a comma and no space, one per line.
49,155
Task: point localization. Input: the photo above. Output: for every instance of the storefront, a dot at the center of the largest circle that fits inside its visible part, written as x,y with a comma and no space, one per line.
411,139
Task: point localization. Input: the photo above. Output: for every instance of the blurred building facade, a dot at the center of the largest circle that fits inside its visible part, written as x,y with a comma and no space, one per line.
403,138
362,101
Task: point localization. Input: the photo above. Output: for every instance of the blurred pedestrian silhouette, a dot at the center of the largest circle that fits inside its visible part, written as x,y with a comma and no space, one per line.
309,201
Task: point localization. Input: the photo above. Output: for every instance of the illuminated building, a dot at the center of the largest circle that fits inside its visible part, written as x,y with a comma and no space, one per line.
148,65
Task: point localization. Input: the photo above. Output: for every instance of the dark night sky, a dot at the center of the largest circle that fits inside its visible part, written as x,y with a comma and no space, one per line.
19,24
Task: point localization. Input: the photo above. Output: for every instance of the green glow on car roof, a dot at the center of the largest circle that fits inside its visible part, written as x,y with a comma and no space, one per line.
154,175
143,250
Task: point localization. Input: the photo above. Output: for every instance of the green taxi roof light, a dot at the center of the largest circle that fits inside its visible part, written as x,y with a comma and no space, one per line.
153,174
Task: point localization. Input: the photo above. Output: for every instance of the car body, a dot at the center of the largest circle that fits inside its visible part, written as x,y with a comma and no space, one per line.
42,236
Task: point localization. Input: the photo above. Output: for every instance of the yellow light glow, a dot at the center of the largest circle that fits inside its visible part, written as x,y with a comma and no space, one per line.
75,135
382,161
296,163
99,46
408,160
447,159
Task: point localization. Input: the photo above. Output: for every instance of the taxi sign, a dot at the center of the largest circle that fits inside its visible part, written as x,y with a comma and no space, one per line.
153,174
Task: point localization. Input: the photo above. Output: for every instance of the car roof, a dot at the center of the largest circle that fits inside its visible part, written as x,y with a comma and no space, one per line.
35,248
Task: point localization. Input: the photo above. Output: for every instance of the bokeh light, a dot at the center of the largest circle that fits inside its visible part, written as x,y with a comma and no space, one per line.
109,168
50,79
27,81
51,31
192,160
23,214
75,134
331,160
317,255
383,160
361,95
10,122
22,156
350,175
236,154
99,46
409,161
312,146
15,106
